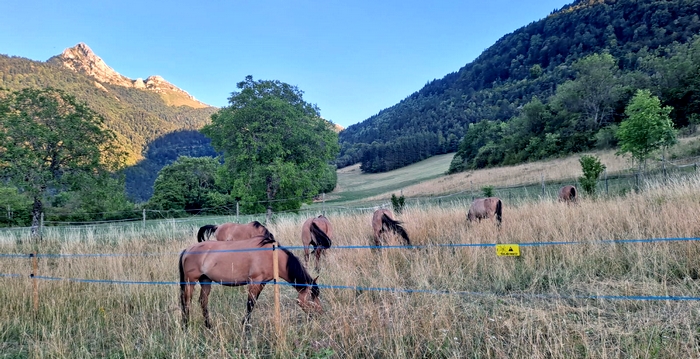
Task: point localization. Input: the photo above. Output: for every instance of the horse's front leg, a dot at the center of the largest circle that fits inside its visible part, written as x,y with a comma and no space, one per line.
253,294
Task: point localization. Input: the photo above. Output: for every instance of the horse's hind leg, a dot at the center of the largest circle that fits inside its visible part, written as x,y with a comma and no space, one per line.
205,283
253,294
318,259
306,255
185,296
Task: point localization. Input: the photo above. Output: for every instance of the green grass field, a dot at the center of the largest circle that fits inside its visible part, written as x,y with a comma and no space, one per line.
353,185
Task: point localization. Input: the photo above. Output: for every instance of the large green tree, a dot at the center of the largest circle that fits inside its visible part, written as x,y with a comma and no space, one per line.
276,146
50,143
187,185
647,128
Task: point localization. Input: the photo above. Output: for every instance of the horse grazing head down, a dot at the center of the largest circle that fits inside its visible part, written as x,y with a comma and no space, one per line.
244,262
316,232
485,208
383,220
568,194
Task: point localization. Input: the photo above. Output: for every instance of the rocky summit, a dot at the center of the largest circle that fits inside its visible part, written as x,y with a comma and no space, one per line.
80,58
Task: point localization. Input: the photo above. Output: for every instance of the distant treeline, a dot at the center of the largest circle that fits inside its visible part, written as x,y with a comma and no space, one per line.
519,78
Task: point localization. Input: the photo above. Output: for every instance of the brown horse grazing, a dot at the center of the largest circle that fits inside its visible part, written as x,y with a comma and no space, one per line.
484,208
568,194
231,231
235,263
316,232
383,220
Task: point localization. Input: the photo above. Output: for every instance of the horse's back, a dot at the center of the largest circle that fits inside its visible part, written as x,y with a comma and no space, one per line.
227,261
237,232
567,193
482,208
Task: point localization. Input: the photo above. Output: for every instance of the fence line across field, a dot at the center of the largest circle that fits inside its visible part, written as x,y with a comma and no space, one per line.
35,275
621,182
543,296
420,246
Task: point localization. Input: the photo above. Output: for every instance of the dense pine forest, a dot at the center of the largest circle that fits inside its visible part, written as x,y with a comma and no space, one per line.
555,86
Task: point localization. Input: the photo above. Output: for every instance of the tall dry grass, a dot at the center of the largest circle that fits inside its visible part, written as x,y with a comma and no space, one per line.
465,301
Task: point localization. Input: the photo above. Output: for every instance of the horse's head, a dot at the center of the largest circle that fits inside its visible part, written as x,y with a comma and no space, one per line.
308,298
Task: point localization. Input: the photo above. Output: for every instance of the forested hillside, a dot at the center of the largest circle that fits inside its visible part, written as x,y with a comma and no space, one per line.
136,116
517,80
160,153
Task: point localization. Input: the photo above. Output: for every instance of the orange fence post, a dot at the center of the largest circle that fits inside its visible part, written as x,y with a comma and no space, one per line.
275,271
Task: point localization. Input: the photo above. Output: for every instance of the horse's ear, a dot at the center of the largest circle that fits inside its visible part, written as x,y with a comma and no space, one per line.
315,280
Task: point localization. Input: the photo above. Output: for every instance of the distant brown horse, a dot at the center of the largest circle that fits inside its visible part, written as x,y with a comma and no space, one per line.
568,194
236,263
231,231
316,232
484,208
382,220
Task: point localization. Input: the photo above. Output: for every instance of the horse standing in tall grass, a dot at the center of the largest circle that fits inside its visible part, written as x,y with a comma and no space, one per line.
316,232
485,208
244,262
568,194
231,231
383,220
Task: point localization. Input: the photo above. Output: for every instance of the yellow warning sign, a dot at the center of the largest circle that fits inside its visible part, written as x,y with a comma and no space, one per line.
508,250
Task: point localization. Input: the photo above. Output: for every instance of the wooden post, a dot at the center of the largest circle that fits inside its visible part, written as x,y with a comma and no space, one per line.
471,189
542,174
34,282
41,226
323,196
238,199
144,218
605,172
275,271
663,165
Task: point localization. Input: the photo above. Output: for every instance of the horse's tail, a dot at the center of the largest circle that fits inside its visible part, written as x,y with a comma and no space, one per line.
499,212
396,227
205,231
182,281
320,236
573,194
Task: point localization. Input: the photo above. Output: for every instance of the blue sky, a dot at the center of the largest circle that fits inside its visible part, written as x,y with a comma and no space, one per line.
351,58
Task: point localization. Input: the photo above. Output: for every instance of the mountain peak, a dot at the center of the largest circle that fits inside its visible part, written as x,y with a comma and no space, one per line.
80,58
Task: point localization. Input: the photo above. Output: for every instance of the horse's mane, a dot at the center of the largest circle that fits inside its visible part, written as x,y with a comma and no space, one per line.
257,224
298,276
267,238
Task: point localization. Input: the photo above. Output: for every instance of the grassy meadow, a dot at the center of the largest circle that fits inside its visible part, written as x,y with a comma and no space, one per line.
447,302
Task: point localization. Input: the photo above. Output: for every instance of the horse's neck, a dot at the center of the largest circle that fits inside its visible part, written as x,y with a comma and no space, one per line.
294,278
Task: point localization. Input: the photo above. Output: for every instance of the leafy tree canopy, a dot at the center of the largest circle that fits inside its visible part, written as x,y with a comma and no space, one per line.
188,185
50,143
647,128
276,146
